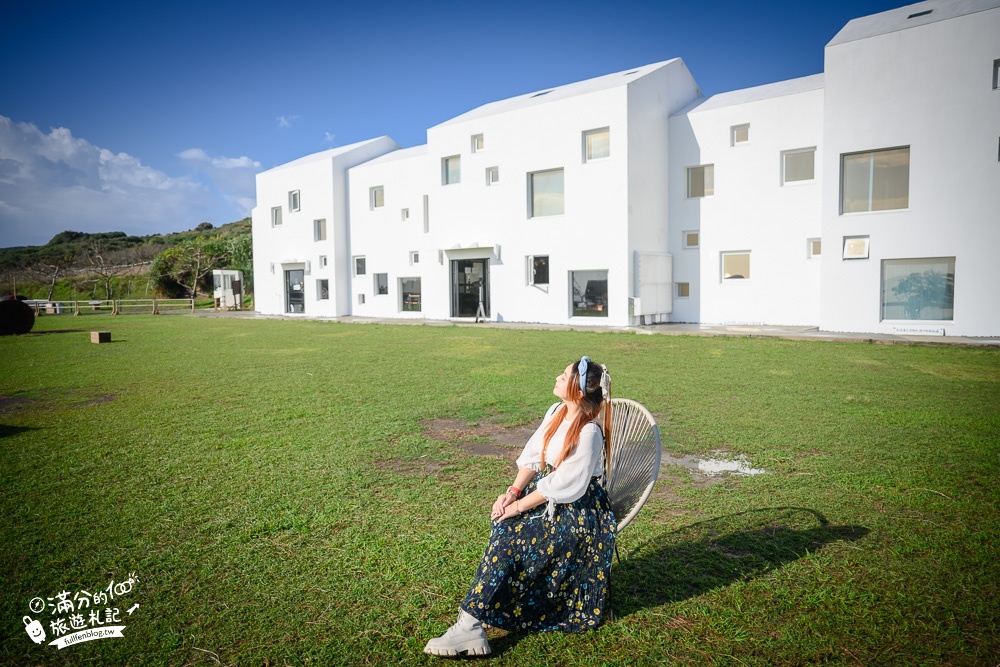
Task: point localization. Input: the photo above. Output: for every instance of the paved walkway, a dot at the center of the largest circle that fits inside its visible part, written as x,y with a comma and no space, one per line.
732,331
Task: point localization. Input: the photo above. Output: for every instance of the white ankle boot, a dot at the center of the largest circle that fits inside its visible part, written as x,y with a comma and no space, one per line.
467,636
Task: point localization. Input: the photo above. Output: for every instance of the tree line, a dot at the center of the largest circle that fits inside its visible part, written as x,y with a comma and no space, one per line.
171,265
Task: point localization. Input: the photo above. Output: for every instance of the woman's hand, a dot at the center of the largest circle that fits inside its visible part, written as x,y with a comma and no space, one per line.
510,511
504,500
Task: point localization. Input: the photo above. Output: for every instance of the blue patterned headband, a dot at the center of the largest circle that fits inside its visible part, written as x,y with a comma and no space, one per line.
584,361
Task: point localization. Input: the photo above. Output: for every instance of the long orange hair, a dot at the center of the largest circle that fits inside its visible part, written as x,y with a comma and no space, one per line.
590,404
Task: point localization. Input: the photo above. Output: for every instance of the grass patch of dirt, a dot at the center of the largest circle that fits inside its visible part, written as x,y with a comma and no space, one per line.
11,403
487,438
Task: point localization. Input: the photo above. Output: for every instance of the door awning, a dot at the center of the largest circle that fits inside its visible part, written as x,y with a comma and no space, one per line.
476,245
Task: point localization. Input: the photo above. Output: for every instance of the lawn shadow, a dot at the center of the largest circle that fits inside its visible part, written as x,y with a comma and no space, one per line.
707,555
55,331
7,431
711,554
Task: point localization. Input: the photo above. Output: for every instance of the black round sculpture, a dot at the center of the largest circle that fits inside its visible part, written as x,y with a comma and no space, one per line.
16,317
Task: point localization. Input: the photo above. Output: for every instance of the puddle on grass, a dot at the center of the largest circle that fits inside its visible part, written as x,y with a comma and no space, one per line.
712,467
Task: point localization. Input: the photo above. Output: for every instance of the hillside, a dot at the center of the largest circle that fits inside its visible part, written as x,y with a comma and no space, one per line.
71,248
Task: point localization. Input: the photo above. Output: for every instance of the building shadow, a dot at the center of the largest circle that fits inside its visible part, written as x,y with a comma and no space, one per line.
696,559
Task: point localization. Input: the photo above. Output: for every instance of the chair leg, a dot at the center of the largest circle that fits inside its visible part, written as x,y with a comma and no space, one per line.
611,604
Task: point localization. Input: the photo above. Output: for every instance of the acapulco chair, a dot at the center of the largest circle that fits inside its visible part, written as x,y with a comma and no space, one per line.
635,463
635,459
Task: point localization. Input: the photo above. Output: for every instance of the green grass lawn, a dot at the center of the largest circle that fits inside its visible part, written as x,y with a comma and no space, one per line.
273,487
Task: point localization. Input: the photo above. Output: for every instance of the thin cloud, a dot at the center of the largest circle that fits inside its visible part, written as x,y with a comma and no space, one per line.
287,121
328,137
198,155
232,177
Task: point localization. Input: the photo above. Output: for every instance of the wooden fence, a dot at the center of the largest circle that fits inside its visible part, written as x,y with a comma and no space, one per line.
112,306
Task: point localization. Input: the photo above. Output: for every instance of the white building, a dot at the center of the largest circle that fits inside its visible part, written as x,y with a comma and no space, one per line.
861,199
301,249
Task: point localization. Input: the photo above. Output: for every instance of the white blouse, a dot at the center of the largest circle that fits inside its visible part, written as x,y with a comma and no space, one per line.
570,480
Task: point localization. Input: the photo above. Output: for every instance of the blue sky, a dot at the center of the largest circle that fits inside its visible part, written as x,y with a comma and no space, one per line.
150,117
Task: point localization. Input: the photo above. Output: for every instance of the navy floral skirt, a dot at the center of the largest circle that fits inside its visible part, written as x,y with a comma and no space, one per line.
546,574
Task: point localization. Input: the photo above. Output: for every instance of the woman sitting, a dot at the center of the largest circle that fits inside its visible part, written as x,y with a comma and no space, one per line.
548,561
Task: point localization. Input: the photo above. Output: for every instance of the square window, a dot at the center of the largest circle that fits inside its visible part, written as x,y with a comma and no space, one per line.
322,261
875,180
798,165
690,239
855,247
319,230
538,269
451,170
404,214
377,197
545,193
701,181
739,134
381,283
589,293
735,266
596,144
409,290
477,143
492,175
293,200
359,266
813,247
323,289
415,257
918,289
276,216
683,290
361,299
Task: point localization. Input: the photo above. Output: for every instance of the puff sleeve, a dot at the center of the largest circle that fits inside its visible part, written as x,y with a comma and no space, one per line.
570,480
531,455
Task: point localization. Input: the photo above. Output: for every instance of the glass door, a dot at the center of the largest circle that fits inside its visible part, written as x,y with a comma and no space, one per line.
295,291
470,288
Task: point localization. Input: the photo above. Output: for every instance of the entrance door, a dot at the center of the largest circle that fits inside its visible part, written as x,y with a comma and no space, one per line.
469,287
295,291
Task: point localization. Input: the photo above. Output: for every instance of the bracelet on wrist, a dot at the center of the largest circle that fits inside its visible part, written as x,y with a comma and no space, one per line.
516,491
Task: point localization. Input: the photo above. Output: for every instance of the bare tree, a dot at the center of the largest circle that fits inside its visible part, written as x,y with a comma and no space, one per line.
51,268
106,264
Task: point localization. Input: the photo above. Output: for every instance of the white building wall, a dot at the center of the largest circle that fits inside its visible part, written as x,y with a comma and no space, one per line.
751,209
320,181
607,217
471,219
383,238
928,87
291,245
651,100
589,235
